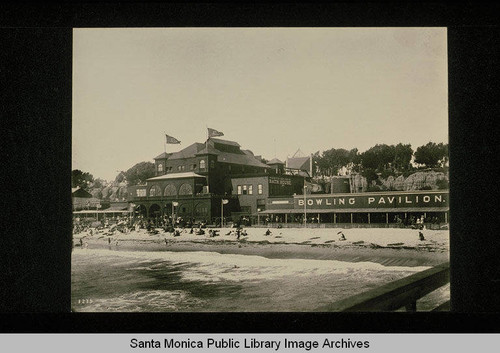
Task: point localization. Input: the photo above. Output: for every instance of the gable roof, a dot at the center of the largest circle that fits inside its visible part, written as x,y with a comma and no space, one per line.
78,192
275,161
301,163
209,149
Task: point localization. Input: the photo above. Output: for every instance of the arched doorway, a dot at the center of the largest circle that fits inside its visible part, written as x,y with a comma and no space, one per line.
155,212
141,210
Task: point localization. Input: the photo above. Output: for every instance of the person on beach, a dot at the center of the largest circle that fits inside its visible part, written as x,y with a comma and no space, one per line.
109,241
81,242
342,236
421,236
166,242
268,232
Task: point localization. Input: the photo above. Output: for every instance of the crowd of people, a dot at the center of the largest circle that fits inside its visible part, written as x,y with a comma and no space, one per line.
179,226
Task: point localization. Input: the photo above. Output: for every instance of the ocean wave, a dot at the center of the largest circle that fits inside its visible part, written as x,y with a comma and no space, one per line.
205,266
145,301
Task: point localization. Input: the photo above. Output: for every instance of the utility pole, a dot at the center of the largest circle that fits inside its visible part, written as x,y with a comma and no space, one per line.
305,206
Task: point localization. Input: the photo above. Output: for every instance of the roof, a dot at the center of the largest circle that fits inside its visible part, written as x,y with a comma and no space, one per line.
275,161
360,210
209,149
301,163
244,159
99,211
80,193
225,142
163,155
232,154
117,208
188,152
176,176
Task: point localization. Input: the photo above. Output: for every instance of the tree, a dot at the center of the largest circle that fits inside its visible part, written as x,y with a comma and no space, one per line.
98,183
379,157
140,172
432,154
332,160
402,158
120,178
81,179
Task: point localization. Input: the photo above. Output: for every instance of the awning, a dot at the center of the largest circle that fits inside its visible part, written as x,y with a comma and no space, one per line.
99,211
176,176
360,210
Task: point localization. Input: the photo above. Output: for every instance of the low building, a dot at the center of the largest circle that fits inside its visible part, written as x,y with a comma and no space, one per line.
391,207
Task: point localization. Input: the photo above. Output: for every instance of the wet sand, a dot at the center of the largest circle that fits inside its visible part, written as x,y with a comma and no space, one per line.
364,252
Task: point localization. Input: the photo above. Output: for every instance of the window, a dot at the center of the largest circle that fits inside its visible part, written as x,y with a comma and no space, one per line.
185,189
202,164
154,191
250,189
178,168
170,190
140,192
259,189
160,167
239,190
212,164
193,166
183,167
244,189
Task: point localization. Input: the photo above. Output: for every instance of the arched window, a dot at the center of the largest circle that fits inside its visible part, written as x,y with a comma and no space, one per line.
154,191
160,167
170,190
202,164
185,189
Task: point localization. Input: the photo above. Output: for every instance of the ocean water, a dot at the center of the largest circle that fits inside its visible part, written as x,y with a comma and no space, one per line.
163,281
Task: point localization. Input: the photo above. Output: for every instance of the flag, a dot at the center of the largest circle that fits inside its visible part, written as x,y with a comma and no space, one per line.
171,139
214,133
225,202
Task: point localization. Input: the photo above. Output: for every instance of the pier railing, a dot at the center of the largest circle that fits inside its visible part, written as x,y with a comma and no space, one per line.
398,294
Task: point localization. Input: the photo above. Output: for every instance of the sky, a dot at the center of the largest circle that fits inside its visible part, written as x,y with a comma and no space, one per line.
272,90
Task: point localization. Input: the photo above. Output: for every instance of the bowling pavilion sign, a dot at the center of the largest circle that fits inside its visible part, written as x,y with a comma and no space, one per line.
379,200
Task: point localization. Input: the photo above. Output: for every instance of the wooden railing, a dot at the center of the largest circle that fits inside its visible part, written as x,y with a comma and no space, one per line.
395,295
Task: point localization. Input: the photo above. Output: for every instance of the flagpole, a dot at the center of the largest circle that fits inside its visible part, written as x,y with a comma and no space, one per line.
222,212
208,165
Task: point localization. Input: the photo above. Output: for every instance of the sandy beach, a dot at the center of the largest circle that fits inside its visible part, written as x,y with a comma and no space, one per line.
386,246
